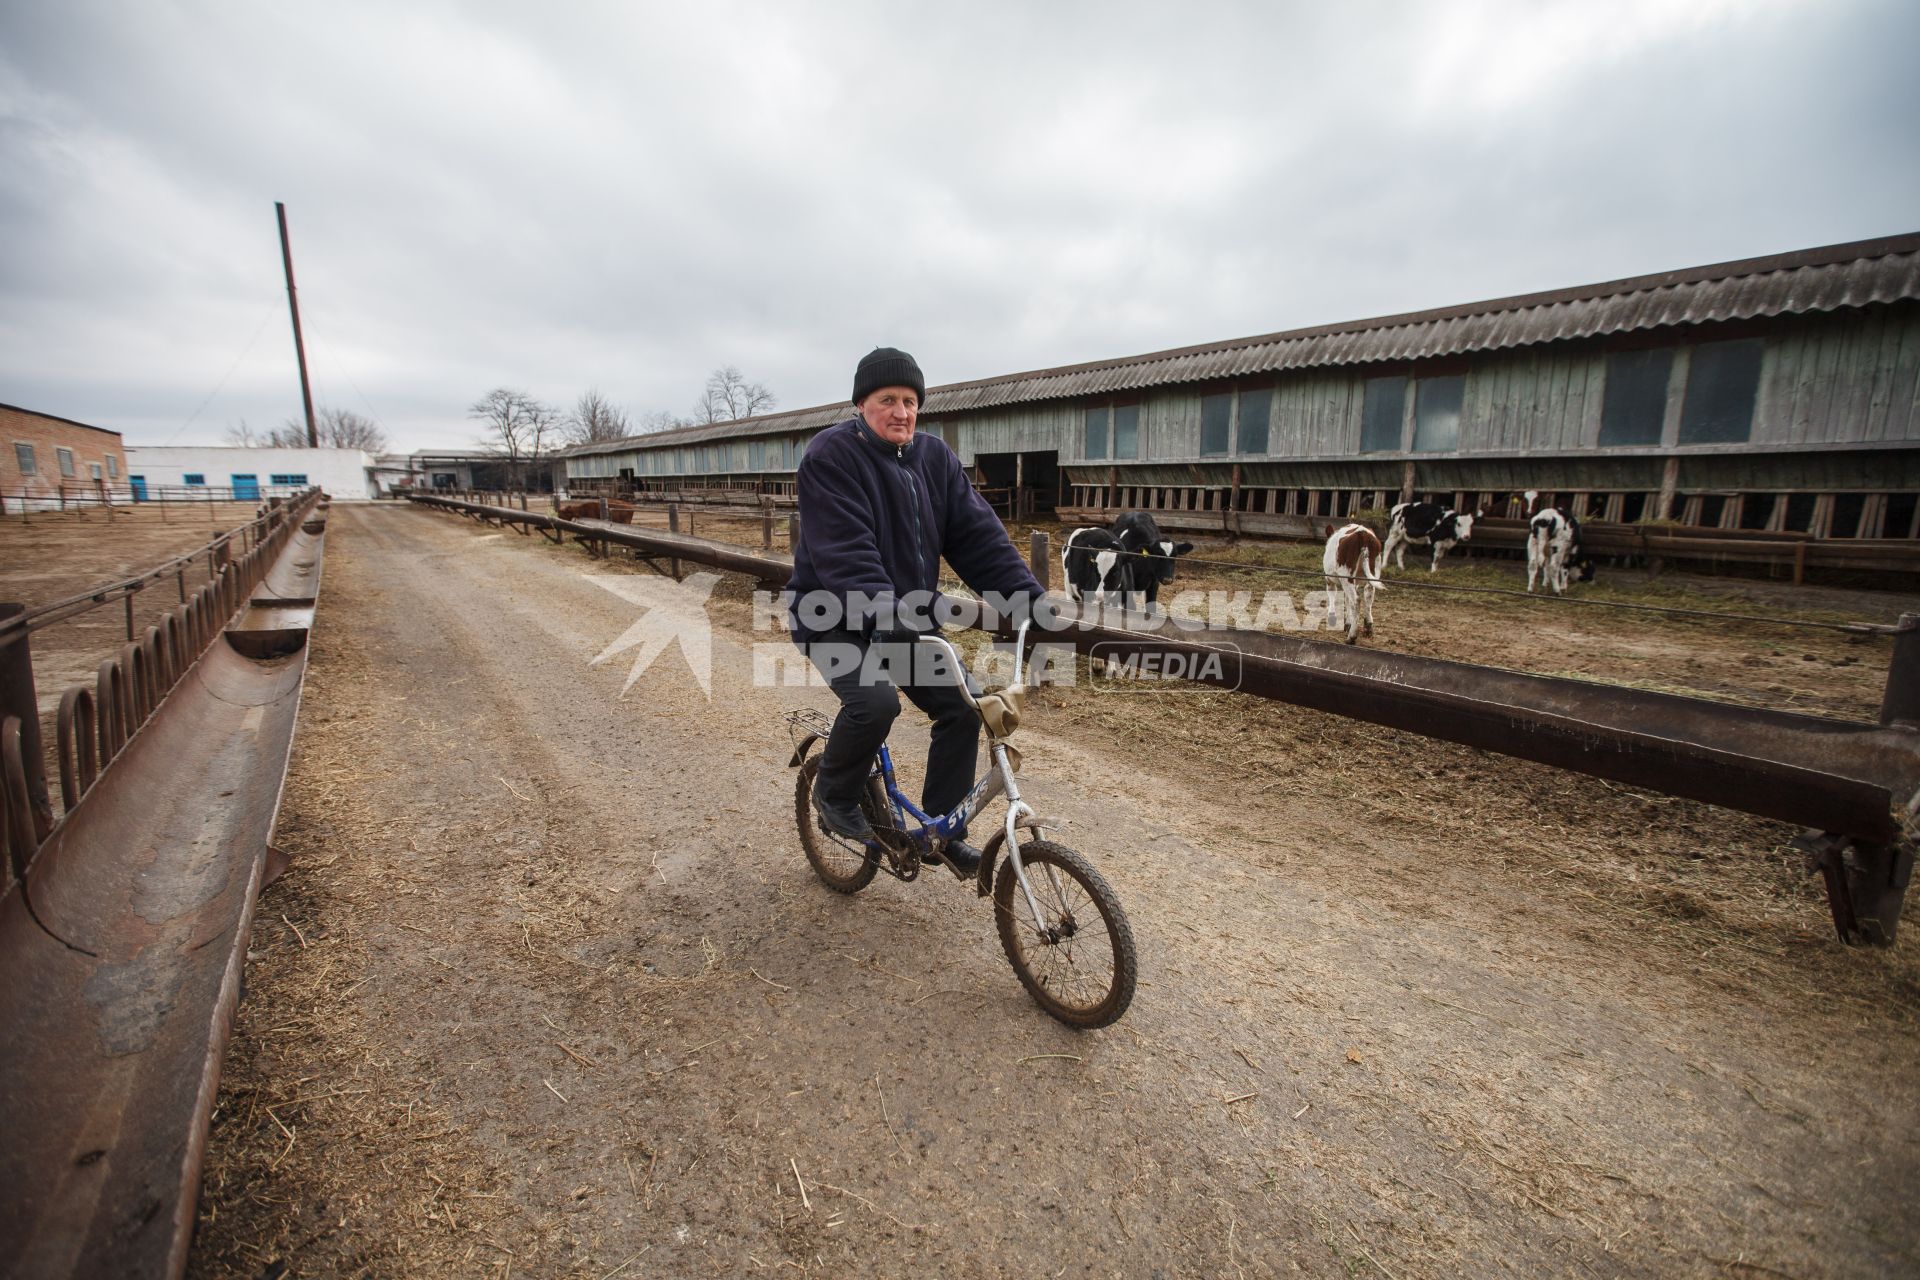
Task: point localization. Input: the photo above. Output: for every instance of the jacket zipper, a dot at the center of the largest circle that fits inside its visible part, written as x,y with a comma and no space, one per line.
913,489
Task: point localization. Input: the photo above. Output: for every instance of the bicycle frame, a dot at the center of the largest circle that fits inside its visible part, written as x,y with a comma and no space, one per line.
998,780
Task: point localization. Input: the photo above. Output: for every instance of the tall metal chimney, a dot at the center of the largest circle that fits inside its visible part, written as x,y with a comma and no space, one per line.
299,345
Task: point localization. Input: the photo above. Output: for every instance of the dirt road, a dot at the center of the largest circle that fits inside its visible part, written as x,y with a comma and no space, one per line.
551,991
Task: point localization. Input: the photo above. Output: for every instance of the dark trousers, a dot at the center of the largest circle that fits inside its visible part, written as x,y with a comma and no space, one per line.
867,712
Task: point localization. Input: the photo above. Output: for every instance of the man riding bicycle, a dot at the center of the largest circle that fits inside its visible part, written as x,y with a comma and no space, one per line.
879,507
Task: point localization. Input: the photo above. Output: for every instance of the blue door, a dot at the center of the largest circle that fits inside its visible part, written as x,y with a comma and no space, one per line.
246,488
139,486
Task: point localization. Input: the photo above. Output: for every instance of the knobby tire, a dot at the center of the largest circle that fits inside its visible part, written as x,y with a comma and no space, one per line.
1086,979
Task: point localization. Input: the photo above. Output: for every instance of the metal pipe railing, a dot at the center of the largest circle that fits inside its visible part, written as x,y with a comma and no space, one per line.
93,726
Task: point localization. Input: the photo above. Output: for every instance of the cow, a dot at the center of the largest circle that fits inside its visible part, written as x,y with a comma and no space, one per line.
1352,565
1421,523
578,510
1150,556
1095,566
1553,551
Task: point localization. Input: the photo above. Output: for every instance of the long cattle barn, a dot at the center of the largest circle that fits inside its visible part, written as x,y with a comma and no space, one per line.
1774,399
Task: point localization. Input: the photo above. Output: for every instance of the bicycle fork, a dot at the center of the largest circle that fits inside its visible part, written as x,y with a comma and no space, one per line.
1016,809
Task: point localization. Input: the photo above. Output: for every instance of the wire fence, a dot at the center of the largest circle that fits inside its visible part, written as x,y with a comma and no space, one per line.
1549,598
684,517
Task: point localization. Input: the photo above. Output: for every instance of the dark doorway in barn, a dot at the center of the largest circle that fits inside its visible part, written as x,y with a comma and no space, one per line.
1019,486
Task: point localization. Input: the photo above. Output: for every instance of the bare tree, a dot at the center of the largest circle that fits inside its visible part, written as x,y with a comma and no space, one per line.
596,420
345,429
518,426
660,420
336,429
730,396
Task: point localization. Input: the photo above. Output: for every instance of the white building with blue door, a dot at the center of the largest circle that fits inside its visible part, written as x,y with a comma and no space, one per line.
248,475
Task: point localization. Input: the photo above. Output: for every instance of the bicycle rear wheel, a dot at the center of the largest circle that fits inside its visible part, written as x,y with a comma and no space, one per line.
1077,960
843,865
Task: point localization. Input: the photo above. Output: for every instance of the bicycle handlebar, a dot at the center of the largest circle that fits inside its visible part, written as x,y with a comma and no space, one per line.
1019,655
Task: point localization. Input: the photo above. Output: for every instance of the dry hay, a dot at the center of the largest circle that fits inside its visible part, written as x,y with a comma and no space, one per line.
1419,825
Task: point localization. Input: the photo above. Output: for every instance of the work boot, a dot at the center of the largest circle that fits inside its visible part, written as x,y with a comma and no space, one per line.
962,857
841,817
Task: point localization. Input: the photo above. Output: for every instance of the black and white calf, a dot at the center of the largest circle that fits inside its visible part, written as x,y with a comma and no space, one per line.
1421,524
1553,551
1150,564
1352,566
1094,566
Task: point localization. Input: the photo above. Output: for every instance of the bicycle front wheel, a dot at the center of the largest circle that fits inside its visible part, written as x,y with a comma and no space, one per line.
843,865
1077,959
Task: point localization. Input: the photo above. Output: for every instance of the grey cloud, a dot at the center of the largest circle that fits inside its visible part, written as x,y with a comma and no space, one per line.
626,196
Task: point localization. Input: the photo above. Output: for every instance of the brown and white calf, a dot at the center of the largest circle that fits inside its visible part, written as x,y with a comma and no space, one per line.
1352,566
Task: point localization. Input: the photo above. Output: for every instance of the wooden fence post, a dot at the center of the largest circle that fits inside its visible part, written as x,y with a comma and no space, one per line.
1902,700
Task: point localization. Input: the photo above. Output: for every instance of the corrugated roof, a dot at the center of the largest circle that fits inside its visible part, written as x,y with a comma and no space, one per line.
1858,274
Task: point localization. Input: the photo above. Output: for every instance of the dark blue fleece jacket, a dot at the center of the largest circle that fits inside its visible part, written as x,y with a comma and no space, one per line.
876,518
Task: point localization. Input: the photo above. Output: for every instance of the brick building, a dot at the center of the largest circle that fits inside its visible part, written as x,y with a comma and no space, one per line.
41,456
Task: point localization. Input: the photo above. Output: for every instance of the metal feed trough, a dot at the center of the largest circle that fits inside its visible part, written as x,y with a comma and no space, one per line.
124,925
1854,786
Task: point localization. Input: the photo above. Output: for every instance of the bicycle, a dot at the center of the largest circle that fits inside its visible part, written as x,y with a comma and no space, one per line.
1062,929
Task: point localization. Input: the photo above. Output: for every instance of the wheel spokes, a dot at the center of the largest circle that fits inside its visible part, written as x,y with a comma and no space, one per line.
1059,967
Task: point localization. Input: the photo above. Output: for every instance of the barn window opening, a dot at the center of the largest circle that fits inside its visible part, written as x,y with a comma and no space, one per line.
1713,507
194,477
1126,431
1898,521
1635,404
1723,384
93,471
1848,508
1095,445
23,455
1436,414
1216,419
66,461
1256,413
1633,507
1799,512
1756,511
113,466
1383,414
289,478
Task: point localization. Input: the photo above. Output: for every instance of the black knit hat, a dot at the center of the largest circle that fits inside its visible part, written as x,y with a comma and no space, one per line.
887,367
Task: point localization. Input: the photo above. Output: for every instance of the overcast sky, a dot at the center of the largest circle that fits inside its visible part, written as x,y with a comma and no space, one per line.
625,196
